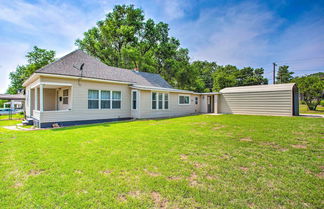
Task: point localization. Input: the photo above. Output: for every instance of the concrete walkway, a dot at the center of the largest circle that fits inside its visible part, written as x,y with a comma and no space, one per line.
312,115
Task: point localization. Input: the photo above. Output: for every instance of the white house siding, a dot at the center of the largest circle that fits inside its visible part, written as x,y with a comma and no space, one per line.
175,109
277,102
79,102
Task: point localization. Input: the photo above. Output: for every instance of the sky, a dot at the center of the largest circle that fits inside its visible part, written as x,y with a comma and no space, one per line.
241,33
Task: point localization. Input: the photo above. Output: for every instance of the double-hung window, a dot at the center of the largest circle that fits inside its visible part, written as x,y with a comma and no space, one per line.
154,100
160,101
105,99
66,96
166,101
93,99
184,100
134,100
116,100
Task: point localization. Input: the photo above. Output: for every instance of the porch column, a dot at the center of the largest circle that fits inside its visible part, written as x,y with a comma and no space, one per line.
41,96
36,98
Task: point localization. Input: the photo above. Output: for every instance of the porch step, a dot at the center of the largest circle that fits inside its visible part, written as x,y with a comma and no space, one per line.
28,121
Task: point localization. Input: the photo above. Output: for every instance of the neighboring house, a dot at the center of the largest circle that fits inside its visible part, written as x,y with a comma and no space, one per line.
79,89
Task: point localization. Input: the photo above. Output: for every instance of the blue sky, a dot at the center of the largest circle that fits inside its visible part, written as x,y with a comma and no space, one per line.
242,33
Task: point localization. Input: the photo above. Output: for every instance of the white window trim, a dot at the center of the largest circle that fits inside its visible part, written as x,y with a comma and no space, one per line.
184,96
157,100
110,98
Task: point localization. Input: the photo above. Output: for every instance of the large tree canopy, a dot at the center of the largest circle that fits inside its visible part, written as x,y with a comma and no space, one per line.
36,59
125,39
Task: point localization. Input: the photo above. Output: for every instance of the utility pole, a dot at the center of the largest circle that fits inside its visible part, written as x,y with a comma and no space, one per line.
274,73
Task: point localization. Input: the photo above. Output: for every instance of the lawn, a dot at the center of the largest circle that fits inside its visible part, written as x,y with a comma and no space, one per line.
303,109
204,161
14,116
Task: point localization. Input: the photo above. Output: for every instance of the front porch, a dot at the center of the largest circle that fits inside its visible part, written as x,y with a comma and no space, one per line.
49,97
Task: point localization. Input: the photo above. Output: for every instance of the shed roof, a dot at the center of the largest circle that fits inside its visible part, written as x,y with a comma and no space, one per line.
259,88
70,64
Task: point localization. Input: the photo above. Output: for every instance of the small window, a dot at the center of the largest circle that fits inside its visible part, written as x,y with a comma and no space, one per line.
93,99
196,100
116,99
184,100
166,101
154,100
105,99
160,101
66,96
134,100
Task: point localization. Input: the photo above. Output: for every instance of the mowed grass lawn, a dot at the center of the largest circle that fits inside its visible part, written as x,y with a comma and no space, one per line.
204,161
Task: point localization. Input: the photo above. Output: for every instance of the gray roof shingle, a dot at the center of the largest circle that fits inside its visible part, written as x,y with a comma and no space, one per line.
93,68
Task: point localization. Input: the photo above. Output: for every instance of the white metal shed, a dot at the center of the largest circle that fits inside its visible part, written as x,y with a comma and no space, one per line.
277,99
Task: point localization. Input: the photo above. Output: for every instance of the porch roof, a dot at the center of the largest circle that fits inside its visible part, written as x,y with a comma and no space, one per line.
51,85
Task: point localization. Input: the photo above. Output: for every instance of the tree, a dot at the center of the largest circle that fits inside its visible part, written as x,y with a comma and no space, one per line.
283,75
203,72
248,76
36,59
311,87
230,76
124,39
225,76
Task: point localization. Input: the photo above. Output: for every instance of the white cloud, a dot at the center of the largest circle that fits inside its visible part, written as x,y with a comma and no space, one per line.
173,9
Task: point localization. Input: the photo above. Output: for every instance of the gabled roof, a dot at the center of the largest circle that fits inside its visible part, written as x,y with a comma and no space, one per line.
259,88
70,64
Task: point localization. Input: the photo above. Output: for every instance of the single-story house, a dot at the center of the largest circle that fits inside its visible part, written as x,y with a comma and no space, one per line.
79,89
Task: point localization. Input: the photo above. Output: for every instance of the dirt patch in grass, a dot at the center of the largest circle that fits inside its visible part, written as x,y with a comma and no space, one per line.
218,127
132,194
245,169
35,172
159,201
299,146
78,172
122,198
17,185
246,139
174,178
150,173
183,157
320,175
199,165
106,172
193,179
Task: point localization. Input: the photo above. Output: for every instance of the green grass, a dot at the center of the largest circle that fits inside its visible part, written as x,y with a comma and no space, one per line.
14,116
303,109
226,161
